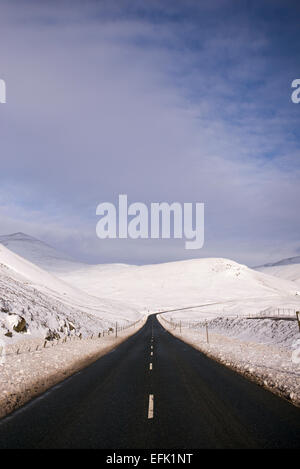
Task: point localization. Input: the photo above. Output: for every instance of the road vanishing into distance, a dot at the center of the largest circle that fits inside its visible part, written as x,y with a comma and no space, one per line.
155,392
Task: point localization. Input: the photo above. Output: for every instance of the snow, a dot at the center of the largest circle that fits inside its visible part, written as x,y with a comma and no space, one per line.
288,261
229,287
281,332
288,269
38,252
234,287
47,303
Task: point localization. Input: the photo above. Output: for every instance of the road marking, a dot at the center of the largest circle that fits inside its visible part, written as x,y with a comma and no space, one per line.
150,366
152,346
151,406
151,354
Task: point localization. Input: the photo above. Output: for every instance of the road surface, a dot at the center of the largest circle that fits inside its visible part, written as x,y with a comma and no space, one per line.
154,391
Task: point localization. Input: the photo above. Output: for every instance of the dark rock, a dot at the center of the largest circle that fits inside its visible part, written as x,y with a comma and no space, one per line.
52,335
21,326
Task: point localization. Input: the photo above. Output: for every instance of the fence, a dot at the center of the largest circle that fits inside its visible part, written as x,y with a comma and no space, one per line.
281,313
269,313
185,324
35,345
188,324
275,313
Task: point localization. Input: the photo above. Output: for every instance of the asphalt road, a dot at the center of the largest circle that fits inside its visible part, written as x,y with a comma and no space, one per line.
197,403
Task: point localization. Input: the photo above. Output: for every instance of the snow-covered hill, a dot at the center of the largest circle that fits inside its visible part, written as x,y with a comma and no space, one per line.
38,252
35,302
193,282
288,269
288,261
232,287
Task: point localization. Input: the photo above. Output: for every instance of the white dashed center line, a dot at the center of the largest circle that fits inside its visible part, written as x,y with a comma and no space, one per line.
151,406
150,366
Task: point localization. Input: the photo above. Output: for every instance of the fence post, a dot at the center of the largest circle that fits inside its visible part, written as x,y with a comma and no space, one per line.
116,329
298,318
207,339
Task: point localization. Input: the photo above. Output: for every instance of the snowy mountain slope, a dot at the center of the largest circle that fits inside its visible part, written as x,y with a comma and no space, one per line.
288,269
38,252
234,287
48,258
44,300
27,312
288,261
184,283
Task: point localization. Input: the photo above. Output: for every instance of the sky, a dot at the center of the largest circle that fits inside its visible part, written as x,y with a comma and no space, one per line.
164,101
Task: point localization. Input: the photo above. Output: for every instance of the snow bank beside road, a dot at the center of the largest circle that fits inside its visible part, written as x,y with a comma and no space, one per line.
282,332
264,361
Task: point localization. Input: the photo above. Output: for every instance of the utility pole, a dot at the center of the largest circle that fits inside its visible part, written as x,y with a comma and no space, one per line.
116,329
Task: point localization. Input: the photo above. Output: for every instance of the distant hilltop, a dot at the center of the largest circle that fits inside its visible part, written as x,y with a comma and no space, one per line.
38,252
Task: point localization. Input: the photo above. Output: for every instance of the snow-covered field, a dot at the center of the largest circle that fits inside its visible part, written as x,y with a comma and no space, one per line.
283,333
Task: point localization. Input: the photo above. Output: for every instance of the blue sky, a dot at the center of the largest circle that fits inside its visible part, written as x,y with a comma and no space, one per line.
161,100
